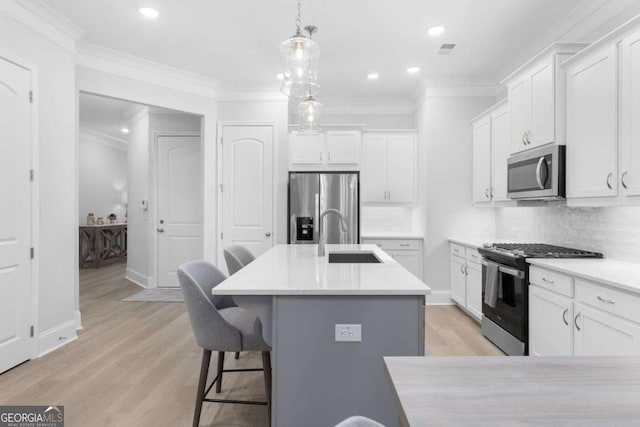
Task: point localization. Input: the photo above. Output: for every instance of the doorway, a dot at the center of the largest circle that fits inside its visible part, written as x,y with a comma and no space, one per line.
140,176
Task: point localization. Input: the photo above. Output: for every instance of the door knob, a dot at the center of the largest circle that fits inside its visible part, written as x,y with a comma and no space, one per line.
268,234
160,230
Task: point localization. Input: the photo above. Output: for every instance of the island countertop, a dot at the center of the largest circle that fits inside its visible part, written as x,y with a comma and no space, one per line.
297,270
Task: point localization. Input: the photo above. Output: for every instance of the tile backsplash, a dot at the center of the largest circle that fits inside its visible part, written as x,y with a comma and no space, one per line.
392,219
613,231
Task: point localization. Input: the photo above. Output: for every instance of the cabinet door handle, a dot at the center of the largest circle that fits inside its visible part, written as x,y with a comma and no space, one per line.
623,180
486,193
466,270
526,136
389,194
544,279
462,269
160,230
524,141
608,301
404,245
564,313
575,321
609,180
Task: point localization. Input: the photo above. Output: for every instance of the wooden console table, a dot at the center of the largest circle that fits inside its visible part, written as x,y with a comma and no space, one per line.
102,244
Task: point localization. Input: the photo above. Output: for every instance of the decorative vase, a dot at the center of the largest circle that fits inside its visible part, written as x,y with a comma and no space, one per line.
100,221
91,219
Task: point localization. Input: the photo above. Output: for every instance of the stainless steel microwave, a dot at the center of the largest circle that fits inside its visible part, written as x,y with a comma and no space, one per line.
537,174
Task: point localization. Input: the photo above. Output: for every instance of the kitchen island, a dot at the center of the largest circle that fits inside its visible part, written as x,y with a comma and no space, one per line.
319,380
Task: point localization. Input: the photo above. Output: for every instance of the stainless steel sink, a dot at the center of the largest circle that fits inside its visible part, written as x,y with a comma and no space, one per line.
354,257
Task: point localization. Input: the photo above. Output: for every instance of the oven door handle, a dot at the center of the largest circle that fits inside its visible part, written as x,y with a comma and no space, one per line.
506,270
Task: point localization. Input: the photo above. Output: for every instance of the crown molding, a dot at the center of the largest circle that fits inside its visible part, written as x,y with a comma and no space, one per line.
91,135
109,61
45,20
455,91
135,113
251,95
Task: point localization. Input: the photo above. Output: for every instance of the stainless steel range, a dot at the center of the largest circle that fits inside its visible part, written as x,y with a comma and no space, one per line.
505,290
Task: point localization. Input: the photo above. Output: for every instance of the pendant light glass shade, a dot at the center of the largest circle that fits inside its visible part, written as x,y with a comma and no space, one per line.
309,111
299,56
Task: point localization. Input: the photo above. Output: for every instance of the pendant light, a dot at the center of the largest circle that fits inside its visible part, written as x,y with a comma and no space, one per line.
299,55
309,111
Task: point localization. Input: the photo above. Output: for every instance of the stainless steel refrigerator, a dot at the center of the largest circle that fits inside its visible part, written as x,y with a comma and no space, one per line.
311,193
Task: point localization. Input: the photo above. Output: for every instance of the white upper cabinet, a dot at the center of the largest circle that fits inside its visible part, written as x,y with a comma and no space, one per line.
592,123
537,99
306,149
603,129
630,116
500,149
491,149
482,160
333,150
388,168
343,147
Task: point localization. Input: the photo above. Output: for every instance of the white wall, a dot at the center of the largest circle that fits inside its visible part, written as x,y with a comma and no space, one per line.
102,178
613,231
56,227
143,129
445,183
272,112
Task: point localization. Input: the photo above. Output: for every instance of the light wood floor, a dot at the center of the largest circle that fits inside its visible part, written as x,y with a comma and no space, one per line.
137,363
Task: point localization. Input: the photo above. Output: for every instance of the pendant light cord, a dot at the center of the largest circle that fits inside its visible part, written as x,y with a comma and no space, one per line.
298,20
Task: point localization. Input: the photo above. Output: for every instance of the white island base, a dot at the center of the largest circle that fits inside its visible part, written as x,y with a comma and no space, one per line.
299,299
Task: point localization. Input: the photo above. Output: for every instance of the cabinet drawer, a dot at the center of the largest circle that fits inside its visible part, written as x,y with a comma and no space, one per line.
395,245
473,255
609,300
551,280
456,249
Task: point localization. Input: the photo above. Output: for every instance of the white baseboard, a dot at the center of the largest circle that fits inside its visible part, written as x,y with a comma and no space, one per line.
78,317
56,337
138,278
439,298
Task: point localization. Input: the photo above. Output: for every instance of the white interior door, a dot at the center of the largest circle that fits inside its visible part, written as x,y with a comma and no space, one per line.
247,187
179,226
15,279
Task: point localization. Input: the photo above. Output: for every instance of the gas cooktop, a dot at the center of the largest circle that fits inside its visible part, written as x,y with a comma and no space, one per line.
537,250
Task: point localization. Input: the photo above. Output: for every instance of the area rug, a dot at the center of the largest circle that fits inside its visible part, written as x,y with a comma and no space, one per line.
156,295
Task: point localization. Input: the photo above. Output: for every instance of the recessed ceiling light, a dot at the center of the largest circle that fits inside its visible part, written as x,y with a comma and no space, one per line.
436,31
280,76
413,70
373,76
149,12
124,130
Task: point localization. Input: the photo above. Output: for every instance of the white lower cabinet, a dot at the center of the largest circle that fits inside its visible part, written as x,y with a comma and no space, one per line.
601,334
465,275
408,252
599,321
550,323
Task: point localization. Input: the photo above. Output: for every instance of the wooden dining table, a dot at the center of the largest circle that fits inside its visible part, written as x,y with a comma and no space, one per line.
515,391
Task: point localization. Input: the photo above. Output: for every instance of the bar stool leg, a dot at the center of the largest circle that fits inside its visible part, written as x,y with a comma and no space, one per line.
220,369
266,364
237,355
202,384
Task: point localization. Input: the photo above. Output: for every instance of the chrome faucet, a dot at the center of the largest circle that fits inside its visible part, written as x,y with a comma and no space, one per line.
343,227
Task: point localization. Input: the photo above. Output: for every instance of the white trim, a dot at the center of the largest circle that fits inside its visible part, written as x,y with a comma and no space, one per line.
45,20
274,178
78,318
250,95
91,135
439,298
137,278
135,113
56,337
121,64
455,91
552,49
153,169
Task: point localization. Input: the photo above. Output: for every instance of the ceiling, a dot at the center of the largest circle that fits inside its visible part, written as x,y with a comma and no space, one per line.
104,116
237,41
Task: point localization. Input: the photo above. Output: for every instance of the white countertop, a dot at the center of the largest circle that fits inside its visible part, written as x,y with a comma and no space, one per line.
474,242
297,270
391,235
618,274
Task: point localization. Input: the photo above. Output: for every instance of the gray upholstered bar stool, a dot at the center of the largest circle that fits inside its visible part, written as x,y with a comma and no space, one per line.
237,257
359,421
227,329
